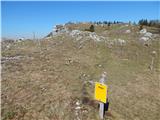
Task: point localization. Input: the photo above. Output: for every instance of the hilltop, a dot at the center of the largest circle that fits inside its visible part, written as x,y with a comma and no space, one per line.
53,78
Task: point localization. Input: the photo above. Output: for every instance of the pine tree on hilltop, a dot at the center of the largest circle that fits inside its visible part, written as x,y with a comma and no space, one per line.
91,28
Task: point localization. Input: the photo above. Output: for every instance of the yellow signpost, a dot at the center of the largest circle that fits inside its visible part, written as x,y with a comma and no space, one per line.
101,92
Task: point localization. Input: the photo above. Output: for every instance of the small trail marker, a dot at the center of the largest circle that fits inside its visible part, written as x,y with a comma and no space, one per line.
101,94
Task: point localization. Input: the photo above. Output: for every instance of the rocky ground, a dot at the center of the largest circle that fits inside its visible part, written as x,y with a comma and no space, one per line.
53,78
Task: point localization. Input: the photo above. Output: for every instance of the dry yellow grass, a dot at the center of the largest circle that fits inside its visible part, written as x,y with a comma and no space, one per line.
49,78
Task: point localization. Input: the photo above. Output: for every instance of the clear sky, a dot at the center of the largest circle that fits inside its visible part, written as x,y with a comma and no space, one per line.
21,19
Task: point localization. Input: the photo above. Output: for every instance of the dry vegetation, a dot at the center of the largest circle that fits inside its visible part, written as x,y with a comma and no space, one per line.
44,80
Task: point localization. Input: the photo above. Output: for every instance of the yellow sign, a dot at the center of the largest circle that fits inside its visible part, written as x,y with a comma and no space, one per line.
100,92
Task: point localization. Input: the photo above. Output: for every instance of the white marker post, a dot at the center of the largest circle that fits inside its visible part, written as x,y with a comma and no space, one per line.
101,108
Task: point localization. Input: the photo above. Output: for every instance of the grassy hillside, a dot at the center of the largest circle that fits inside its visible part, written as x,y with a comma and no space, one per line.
52,79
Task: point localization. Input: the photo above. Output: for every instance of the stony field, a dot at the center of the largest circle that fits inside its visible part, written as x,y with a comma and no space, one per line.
53,78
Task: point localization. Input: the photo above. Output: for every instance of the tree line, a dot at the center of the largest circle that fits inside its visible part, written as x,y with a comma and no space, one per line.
153,23
107,22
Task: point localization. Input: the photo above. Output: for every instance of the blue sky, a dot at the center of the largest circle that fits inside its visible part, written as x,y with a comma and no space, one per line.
21,19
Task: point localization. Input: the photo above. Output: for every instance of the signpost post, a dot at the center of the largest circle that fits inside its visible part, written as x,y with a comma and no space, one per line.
101,94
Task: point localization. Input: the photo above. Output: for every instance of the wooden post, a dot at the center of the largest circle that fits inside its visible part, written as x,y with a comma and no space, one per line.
152,63
101,108
37,41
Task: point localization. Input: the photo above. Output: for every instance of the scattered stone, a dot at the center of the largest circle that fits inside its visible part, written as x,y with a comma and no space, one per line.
148,34
44,70
57,30
8,46
78,108
99,65
144,39
85,111
143,31
95,37
6,59
80,47
77,103
154,53
77,34
68,61
84,75
43,89
120,42
155,35
128,31
76,113
11,58
125,59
